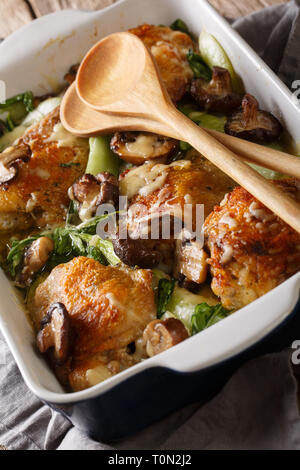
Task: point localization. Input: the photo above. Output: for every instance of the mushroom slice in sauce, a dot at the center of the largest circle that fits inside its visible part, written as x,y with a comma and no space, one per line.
137,147
251,123
55,333
161,335
216,95
35,259
9,161
190,263
137,252
89,192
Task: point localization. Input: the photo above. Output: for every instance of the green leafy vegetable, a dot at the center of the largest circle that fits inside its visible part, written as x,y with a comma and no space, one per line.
184,146
198,66
187,108
16,108
44,108
25,98
180,25
106,248
72,215
182,303
207,315
213,55
81,240
69,241
208,121
165,291
101,157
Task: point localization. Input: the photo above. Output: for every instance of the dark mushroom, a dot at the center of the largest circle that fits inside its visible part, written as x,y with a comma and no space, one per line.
216,95
251,123
137,147
89,192
187,284
136,252
190,264
161,335
10,158
55,333
34,260
71,75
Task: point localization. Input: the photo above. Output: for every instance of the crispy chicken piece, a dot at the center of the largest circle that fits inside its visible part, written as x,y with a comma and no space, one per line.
37,195
108,308
251,249
154,189
169,49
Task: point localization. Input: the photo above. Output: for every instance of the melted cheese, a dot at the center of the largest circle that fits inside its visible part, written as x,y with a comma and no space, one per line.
65,138
144,180
227,254
143,146
147,178
97,375
260,214
226,219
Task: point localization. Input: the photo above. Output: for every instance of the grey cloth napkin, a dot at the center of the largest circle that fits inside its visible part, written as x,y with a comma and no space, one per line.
257,408
274,33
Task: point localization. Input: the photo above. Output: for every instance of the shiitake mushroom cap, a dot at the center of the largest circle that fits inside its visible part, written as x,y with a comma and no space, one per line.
251,123
138,147
216,95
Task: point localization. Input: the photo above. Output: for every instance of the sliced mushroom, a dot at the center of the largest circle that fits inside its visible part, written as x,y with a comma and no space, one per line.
35,259
187,284
55,333
137,252
250,123
10,158
216,95
137,147
161,335
190,264
71,75
89,192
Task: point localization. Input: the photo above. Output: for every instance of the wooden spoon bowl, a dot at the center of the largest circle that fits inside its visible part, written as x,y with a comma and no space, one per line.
119,77
84,121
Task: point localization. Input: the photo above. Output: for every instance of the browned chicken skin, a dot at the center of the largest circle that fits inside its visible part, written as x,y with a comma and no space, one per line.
251,249
108,307
169,49
37,196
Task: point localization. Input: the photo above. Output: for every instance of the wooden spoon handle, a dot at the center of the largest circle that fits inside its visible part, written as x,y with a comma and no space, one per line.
266,192
264,156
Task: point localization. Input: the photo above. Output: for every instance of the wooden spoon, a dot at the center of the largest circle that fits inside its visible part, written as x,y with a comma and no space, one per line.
84,121
118,76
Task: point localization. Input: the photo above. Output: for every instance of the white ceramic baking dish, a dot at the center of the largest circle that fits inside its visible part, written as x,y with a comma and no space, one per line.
36,57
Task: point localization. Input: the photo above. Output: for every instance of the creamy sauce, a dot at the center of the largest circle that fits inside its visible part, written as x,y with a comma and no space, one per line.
97,375
65,138
147,178
143,146
144,180
43,174
226,219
